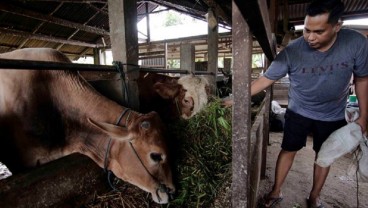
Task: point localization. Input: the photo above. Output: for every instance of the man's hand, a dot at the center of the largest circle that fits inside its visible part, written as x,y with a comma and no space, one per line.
362,122
227,102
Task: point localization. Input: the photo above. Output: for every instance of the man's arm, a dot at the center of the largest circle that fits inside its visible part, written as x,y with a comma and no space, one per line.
257,86
260,84
361,89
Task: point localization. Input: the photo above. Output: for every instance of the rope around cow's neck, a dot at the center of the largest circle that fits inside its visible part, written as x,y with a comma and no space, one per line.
161,187
106,160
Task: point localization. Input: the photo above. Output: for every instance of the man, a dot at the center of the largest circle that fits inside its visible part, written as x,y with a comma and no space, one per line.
320,65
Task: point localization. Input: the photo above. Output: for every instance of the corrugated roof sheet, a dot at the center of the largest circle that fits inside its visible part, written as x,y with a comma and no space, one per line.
19,29
297,8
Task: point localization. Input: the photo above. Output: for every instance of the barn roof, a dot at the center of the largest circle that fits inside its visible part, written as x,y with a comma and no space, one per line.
75,27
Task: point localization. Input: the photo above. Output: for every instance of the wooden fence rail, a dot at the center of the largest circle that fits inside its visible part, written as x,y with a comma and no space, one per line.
259,141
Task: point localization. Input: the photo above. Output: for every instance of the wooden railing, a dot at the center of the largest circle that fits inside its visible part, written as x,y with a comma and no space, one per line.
258,150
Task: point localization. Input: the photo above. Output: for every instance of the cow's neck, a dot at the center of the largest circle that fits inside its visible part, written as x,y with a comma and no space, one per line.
87,103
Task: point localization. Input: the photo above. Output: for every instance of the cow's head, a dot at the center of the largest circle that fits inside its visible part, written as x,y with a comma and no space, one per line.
139,154
189,93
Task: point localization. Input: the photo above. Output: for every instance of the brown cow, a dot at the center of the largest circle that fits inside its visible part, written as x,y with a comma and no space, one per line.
172,97
45,115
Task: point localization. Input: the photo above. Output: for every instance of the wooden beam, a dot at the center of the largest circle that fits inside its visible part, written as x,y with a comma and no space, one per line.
39,26
102,10
212,49
76,1
6,7
285,14
273,14
241,116
256,14
47,38
187,57
184,7
219,10
198,37
124,46
166,55
266,126
47,65
148,23
257,135
77,30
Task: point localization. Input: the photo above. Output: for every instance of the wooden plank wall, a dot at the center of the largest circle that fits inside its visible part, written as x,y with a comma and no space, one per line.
70,181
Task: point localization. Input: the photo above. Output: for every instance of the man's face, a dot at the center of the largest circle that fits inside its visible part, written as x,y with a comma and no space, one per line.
318,33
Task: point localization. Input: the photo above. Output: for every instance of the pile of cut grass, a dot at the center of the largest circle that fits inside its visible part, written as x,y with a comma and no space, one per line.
201,162
202,155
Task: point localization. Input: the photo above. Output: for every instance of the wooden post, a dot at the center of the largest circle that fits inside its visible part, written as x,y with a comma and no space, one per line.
273,11
187,55
212,48
285,16
166,56
148,24
227,65
96,56
124,45
241,118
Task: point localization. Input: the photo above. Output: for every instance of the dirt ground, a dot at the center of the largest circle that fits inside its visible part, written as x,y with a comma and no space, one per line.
340,190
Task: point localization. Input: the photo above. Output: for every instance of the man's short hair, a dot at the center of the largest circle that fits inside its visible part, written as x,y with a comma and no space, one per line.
335,8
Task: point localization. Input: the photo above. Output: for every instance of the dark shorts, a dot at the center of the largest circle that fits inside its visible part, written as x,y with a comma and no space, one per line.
298,127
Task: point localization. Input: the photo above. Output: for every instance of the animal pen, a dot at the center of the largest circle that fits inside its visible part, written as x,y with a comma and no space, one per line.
81,179
249,142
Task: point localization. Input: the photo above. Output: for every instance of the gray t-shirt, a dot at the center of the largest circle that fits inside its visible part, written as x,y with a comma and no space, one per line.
319,81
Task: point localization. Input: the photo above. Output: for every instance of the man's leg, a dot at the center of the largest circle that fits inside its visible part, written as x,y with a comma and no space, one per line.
319,177
283,165
321,132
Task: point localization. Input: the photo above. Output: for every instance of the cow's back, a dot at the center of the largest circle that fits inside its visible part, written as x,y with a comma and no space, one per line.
36,54
28,115
19,88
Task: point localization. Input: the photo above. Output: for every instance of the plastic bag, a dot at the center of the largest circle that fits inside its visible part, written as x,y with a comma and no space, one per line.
359,166
339,143
276,108
351,114
277,117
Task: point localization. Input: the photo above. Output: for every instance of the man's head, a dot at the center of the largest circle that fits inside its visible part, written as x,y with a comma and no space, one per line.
322,23
335,9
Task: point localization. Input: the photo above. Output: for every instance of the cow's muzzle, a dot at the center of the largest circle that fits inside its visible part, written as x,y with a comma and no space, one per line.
163,194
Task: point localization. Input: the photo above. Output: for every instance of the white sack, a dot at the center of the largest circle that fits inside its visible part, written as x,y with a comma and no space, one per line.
276,108
363,162
339,143
359,165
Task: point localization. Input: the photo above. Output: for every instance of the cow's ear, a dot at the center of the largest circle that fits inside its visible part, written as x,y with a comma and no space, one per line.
112,130
207,89
166,90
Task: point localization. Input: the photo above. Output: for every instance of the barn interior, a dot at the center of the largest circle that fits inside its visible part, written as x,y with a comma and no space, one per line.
78,28
81,28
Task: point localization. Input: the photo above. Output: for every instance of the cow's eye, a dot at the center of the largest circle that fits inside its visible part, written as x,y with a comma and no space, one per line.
156,157
145,124
186,100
